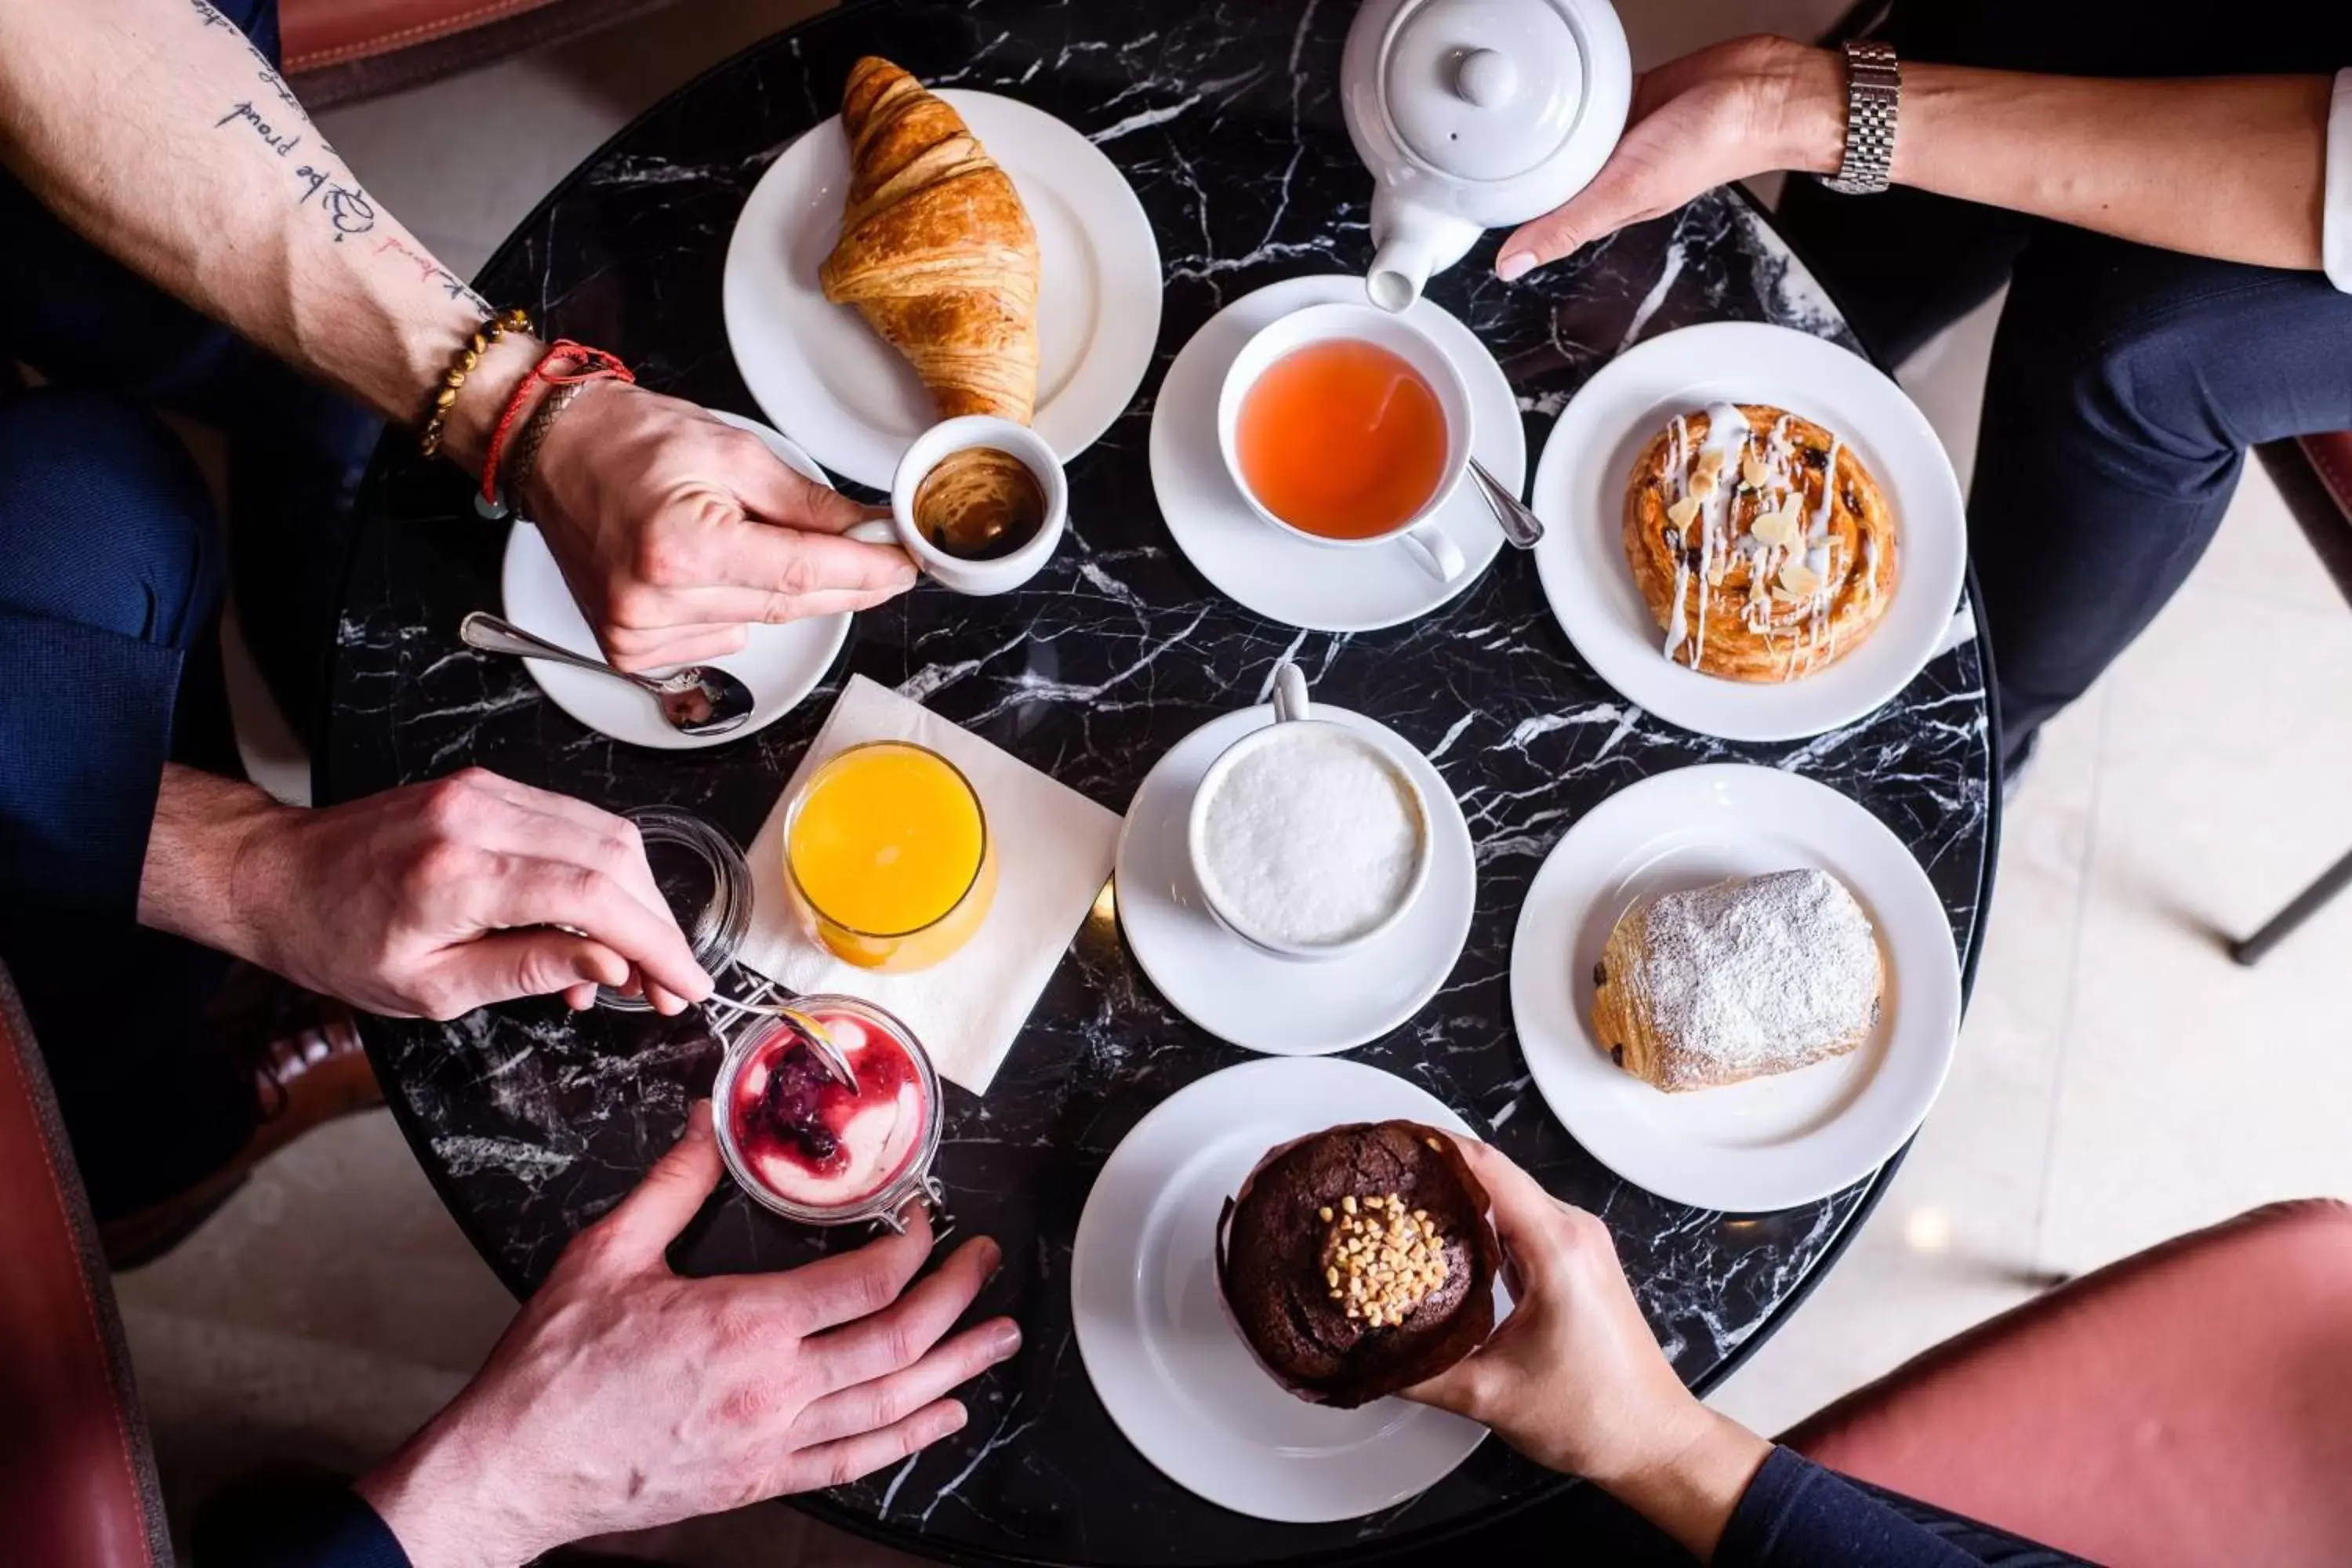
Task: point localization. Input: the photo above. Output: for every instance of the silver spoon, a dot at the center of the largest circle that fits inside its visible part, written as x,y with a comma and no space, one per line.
699,700
1520,526
807,1030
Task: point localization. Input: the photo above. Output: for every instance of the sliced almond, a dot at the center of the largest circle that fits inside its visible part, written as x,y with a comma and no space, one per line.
1752,469
1711,463
1702,483
1774,528
1682,512
1800,579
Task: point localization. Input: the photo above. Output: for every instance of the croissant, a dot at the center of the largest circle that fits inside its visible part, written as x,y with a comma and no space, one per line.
1750,976
936,250
1763,547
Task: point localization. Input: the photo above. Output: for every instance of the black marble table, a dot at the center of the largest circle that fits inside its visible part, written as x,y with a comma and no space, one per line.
1225,117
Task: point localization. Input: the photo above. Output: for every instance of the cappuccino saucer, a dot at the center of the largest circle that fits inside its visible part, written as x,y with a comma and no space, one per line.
1283,1007
1277,575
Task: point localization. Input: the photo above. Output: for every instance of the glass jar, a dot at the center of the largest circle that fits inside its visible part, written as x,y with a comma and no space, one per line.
894,1115
705,880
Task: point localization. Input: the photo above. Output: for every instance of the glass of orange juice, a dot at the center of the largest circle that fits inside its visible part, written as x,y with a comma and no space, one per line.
888,855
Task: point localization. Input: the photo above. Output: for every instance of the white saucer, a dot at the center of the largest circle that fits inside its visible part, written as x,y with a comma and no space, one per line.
1579,493
780,664
1770,1143
821,372
1238,993
1158,1347
1324,588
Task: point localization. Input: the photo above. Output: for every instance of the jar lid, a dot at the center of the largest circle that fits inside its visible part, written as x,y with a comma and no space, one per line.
707,883
1483,90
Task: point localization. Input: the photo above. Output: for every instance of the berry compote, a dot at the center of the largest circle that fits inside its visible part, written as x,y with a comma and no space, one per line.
801,1137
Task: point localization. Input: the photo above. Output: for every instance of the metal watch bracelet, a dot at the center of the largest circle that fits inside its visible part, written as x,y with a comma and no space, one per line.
1874,93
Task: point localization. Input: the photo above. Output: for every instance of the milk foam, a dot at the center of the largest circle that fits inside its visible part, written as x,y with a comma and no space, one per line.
1313,838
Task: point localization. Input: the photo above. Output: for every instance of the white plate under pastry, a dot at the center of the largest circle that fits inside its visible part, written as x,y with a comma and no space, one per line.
1284,578
780,664
823,375
1240,993
1769,1143
1579,493
1164,1357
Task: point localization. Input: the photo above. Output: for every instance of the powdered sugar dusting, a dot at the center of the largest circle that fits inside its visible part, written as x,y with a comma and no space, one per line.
1752,974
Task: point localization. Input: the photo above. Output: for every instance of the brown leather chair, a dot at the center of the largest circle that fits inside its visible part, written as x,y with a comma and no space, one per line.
78,1486
338,50
2190,1405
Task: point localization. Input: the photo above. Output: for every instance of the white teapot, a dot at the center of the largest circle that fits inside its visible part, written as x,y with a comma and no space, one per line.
1474,114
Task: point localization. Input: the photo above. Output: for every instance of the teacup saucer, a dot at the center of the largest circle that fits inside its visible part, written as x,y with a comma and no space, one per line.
1286,1007
1323,588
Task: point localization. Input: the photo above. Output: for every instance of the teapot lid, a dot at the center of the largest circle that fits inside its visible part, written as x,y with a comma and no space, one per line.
1482,89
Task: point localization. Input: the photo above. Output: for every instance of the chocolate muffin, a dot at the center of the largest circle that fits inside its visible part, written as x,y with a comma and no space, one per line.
1359,1261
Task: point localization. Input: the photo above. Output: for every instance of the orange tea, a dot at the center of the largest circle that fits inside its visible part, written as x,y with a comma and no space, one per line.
1342,438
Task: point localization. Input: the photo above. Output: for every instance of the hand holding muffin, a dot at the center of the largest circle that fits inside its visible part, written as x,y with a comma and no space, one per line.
1575,1380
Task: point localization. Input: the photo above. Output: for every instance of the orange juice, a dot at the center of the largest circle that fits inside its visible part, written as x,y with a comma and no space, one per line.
1342,438
888,855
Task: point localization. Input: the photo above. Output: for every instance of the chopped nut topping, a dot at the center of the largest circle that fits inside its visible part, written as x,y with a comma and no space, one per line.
1379,1261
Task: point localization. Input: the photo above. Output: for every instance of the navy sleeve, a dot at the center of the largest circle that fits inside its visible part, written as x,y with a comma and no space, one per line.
1796,1514
303,1527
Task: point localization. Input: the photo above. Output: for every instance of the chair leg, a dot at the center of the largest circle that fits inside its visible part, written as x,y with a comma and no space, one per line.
2284,923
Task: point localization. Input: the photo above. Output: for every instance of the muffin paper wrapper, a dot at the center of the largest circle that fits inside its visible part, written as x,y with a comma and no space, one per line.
1463,1333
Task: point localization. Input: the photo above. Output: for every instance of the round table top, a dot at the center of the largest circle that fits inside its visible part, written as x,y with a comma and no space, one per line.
533,1121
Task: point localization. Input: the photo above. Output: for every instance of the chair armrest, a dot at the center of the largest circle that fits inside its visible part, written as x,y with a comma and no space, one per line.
77,1487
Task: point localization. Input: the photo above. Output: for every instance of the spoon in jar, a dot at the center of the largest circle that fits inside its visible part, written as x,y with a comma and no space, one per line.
802,1027
698,699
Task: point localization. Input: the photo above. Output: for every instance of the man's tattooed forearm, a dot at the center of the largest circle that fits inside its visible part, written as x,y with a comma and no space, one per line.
280,142
430,270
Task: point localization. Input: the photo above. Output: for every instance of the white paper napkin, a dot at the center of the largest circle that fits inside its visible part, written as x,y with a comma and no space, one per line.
1053,853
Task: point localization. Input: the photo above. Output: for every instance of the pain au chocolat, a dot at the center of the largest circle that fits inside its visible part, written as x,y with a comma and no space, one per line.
1762,545
1360,1261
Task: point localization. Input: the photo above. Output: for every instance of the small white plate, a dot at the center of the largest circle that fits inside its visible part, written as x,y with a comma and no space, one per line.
821,372
1286,1007
1325,588
1158,1347
1579,493
1770,1143
780,664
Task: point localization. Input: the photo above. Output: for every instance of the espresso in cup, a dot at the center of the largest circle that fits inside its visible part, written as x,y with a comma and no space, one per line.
979,504
1309,841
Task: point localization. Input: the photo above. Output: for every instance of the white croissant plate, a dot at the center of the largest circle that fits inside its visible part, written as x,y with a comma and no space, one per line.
830,384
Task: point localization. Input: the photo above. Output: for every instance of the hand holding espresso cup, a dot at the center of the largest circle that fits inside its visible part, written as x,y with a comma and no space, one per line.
977,504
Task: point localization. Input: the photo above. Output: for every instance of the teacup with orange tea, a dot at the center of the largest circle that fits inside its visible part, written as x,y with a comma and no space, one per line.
1346,426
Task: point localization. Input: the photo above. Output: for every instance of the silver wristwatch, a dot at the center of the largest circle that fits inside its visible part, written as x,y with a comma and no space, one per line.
1874,91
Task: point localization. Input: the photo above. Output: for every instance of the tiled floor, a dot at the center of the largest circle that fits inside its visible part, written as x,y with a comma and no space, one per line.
2118,1079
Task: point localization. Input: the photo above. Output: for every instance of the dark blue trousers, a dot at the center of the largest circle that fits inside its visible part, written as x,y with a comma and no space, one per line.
113,571
2126,383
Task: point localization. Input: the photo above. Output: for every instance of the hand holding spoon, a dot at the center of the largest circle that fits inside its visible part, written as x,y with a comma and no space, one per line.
697,700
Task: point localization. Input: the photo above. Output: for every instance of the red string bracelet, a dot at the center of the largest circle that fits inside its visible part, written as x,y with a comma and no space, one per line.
596,364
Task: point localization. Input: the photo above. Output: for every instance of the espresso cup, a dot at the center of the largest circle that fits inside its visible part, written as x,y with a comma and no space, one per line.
963,575
1293,716
1418,534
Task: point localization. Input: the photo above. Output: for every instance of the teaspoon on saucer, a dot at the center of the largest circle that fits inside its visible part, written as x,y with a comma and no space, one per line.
1520,526
698,699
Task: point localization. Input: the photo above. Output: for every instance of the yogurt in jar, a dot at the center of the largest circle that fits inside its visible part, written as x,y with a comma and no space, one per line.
810,1140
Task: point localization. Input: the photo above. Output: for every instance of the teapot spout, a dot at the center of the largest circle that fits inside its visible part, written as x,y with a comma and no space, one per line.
1399,270
1409,243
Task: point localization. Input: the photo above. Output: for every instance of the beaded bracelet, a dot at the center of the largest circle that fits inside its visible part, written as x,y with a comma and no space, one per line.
436,414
